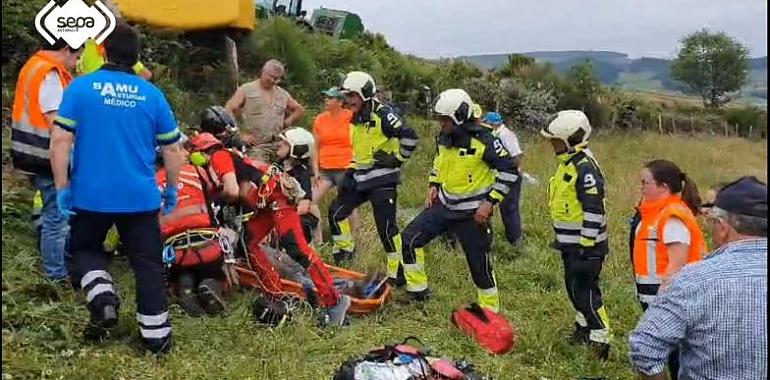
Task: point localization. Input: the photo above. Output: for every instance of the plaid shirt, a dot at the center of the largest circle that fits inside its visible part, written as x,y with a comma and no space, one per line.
716,311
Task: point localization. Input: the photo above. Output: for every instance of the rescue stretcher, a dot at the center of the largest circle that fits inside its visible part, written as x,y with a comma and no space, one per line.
247,277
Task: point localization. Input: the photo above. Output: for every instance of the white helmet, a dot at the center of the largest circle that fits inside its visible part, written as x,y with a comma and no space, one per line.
361,83
455,104
567,126
300,141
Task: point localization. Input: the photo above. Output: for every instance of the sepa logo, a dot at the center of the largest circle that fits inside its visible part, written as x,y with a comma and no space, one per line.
75,22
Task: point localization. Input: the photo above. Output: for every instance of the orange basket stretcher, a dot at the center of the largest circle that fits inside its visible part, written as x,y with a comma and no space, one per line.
247,277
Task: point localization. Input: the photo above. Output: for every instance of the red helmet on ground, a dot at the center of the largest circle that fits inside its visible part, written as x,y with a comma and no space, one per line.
203,142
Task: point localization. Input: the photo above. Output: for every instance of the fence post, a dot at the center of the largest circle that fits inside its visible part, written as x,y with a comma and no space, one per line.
660,124
692,128
727,134
673,125
751,131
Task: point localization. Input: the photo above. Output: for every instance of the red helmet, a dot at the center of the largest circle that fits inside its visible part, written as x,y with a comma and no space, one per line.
203,142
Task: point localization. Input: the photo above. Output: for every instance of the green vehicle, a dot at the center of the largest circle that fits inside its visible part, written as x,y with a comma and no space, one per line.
338,24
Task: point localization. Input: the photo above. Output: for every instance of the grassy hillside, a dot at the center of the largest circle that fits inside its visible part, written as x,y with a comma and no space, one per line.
42,323
645,73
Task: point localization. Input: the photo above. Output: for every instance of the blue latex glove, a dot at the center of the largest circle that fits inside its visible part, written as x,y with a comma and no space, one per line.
169,198
64,202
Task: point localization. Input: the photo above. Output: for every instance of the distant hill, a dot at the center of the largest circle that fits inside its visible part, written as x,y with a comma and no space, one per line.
618,69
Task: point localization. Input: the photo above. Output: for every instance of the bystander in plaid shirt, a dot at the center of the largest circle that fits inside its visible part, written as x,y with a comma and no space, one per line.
716,312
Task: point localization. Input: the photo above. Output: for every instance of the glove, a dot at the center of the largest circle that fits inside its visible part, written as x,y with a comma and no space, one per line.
64,202
169,198
386,160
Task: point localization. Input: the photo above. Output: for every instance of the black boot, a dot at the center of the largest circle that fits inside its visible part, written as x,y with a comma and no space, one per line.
400,279
602,350
580,335
343,257
103,318
187,297
211,296
421,296
158,347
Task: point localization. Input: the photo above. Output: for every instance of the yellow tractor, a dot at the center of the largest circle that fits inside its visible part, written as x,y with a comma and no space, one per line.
220,18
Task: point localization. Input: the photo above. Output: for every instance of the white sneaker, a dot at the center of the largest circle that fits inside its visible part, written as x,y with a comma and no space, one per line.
335,315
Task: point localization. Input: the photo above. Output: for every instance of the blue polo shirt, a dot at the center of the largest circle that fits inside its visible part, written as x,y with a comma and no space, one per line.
118,120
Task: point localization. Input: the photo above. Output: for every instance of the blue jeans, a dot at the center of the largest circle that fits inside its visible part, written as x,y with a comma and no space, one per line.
509,210
54,230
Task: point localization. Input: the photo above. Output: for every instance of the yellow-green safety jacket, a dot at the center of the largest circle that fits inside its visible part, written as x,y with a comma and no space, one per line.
471,166
576,202
379,128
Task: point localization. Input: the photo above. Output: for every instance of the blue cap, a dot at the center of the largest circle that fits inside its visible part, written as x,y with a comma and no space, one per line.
493,118
745,196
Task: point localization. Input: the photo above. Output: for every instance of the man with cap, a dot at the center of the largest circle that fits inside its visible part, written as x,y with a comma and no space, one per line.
715,310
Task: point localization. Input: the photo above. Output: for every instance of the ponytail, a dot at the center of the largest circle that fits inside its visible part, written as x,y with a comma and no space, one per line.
668,173
690,194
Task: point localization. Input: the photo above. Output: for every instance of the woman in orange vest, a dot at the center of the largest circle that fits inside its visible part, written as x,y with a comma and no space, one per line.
334,153
666,236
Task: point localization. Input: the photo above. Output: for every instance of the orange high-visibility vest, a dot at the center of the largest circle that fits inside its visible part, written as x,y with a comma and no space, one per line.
192,211
30,132
650,256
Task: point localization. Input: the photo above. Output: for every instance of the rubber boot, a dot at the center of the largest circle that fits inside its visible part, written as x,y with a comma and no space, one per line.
187,297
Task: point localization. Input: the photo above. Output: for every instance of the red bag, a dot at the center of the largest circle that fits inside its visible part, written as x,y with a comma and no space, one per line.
491,330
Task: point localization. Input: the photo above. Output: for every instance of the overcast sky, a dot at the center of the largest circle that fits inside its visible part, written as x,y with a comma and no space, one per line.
446,28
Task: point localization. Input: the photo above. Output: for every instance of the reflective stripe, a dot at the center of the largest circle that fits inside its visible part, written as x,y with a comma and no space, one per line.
416,279
602,237
488,298
575,239
99,289
648,280
591,217
568,226
599,336
652,267
408,142
590,232
152,320
405,153
647,298
182,212
93,275
461,197
341,237
191,174
507,176
155,333
502,188
570,239
190,182
28,128
459,206
65,121
168,135
375,173
489,292
580,319
30,150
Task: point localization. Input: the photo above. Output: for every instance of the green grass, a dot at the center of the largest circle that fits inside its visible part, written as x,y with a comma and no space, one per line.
42,323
